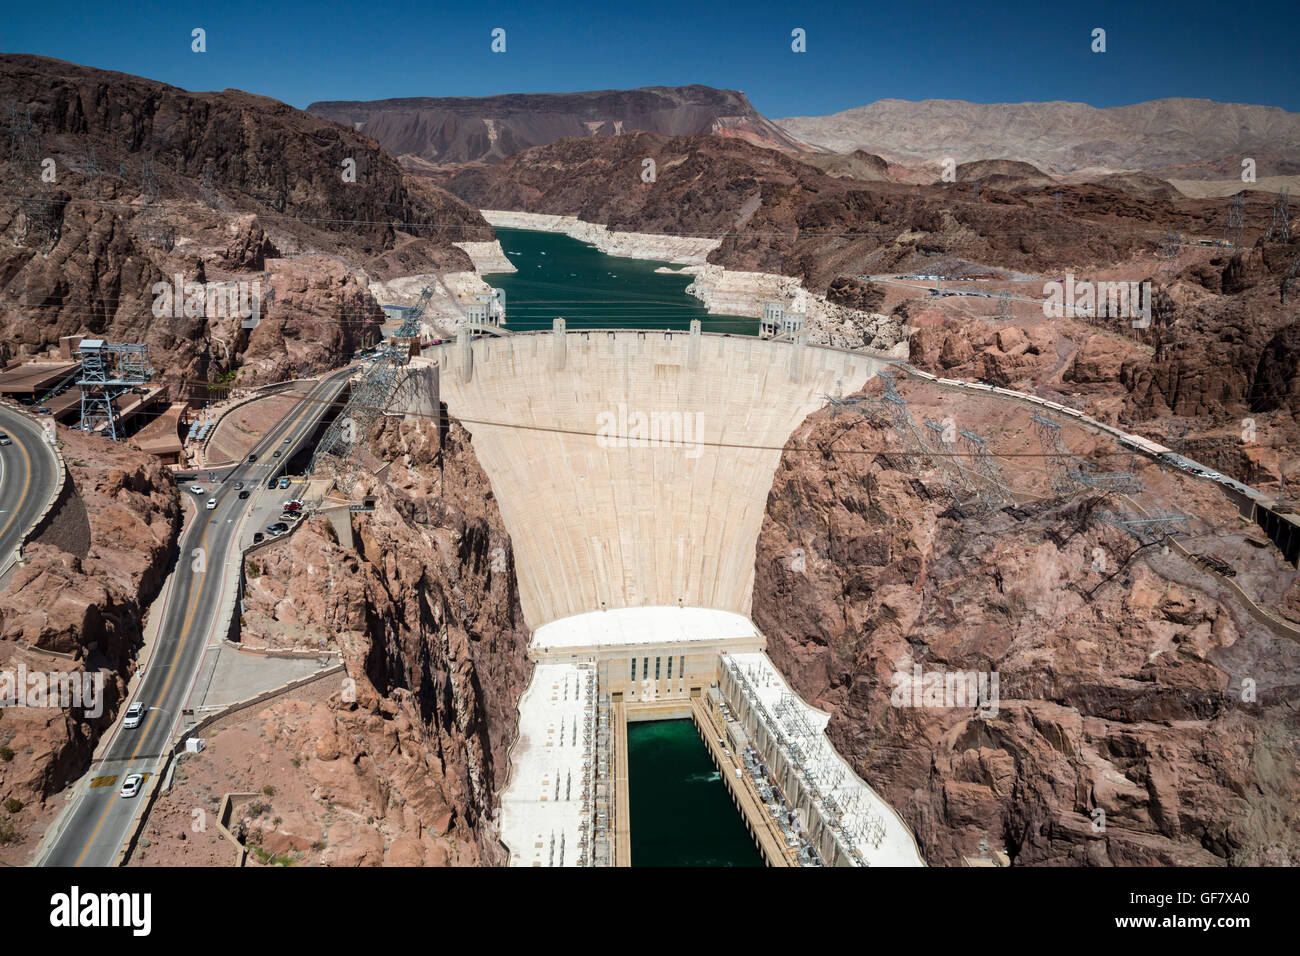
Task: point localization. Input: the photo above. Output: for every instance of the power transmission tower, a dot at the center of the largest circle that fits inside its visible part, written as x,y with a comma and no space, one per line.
953,474
154,227
1280,229
1169,247
1236,227
40,224
379,389
1004,305
1068,472
993,491
107,371
1290,277
1149,529
24,144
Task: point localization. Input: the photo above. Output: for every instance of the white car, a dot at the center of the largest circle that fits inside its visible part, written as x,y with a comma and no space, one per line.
134,714
212,503
196,489
131,785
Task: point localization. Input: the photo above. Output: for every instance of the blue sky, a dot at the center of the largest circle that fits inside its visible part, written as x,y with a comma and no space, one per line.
857,53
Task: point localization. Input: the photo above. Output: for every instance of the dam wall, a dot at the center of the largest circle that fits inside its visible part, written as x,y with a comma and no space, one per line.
632,468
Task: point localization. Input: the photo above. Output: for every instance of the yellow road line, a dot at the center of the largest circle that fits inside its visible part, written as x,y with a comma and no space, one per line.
185,636
27,484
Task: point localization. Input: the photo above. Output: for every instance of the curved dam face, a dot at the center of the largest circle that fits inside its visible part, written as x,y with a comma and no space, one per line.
632,468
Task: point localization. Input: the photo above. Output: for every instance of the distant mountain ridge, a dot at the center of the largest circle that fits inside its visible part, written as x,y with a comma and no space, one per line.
466,129
1063,138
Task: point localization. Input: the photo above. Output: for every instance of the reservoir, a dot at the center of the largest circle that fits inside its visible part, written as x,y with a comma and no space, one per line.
681,813
560,277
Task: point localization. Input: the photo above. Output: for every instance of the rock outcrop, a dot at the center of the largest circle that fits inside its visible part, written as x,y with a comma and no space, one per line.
490,128
403,766
1123,733
153,182
76,605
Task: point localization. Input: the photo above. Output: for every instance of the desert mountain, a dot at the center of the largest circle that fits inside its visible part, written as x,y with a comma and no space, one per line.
1063,138
859,164
235,180
465,129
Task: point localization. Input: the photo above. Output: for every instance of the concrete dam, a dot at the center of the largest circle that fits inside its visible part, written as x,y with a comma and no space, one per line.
632,470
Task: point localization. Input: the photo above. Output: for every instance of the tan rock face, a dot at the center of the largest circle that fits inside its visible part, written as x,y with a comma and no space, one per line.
1120,693
403,767
81,593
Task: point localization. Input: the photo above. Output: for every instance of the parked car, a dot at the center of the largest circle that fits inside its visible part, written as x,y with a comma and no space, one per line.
44,410
212,503
196,489
134,714
277,529
293,504
243,494
258,537
131,785
290,516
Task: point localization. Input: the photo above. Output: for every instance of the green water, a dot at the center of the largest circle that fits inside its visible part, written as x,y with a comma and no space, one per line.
560,277
681,812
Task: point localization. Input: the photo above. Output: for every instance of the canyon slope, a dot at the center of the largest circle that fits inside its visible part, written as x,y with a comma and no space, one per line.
433,130
246,188
1064,138
77,604
404,766
1125,733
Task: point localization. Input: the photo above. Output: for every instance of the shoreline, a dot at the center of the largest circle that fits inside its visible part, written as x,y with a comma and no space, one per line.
723,291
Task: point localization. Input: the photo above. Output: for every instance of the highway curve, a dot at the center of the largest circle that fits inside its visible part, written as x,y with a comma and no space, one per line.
29,473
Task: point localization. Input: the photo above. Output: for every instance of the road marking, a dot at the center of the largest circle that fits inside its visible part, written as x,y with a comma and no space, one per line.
162,695
27,484
103,781
308,405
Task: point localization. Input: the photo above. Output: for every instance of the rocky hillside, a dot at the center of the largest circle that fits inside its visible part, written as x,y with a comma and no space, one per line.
77,604
424,130
1063,137
151,181
1121,735
776,214
427,620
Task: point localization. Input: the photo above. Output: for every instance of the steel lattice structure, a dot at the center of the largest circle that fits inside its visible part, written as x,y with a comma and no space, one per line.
993,491
1068,472
1280,228
108,370
1149,529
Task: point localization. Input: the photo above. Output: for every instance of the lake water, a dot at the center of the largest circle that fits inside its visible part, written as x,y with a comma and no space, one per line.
560,277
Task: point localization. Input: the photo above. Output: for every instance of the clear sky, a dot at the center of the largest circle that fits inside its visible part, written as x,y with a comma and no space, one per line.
856,52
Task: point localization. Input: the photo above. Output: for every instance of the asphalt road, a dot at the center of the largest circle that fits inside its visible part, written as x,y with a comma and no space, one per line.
92,830
28,472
